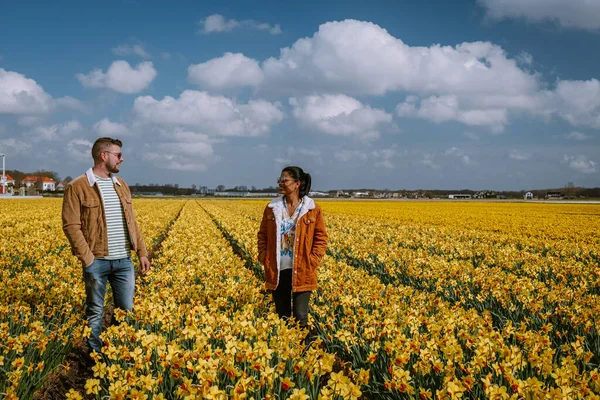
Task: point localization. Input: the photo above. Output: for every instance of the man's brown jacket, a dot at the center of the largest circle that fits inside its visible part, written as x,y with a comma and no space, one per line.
84,222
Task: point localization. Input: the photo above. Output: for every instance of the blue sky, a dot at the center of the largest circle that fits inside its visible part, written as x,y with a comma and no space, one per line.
479,94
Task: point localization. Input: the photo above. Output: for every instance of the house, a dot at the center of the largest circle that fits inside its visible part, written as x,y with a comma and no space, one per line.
554,195
7,185
459,196
485,194
528,196
41,182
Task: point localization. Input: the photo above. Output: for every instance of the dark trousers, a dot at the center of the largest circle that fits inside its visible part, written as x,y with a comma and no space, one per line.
287,302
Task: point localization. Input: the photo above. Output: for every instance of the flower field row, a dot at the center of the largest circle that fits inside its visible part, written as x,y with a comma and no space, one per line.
419,340
428,300
202,328
41,289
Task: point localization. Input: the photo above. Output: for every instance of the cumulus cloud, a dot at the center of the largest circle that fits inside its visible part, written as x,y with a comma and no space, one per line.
105,127
474,83
231,70
181,150
578,102
581,14
519,155
217,23
339,115
581,163
80,149
14,146
120,77
362,58
131,49
55,132
577,135
213,115
21,95
441,109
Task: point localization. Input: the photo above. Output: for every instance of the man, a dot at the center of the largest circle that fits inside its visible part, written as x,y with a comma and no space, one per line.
99,221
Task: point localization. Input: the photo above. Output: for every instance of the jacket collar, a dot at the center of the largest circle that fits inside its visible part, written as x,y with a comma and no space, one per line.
92,179
277,205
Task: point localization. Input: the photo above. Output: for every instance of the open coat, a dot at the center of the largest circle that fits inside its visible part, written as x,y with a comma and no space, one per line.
309,247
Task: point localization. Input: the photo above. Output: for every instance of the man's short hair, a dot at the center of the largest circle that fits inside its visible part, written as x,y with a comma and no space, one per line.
102,144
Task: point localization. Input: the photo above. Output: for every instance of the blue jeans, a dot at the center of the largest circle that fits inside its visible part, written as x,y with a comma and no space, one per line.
120,273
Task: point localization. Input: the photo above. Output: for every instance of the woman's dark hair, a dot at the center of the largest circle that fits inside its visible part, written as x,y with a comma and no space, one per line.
299,175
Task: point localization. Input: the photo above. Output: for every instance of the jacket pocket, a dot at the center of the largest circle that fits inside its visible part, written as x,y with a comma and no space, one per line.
90,211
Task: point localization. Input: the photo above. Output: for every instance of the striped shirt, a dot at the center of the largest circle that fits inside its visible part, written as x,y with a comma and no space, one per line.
116,226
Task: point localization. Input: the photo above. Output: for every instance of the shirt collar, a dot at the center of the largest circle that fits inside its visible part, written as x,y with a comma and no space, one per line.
92,178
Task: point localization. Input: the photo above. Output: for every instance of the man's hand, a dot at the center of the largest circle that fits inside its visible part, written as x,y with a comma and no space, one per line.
145,265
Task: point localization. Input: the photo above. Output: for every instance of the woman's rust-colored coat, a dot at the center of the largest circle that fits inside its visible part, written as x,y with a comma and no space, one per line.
309,248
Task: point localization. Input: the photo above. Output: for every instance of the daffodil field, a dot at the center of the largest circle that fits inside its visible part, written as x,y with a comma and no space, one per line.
415,300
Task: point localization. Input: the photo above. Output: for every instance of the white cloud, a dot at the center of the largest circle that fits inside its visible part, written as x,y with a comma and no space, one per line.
582,14
181,150
339,115
519,155
12,146
349,155
120,77
105,127
441,109
21,95
80,149
55,132
213,115
362,58
577,135
578,102
581,163
474,83
217,23
231,70
129,49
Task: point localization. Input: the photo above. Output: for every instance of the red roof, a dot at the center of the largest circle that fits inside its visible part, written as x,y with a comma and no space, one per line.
9,178
31,178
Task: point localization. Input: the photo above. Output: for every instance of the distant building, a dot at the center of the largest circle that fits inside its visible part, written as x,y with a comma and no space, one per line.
8,185
554,196
459,196
485,194
40,182
528,196
341,193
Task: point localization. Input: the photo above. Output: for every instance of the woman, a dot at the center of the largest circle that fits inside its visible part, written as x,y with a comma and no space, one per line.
291,243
